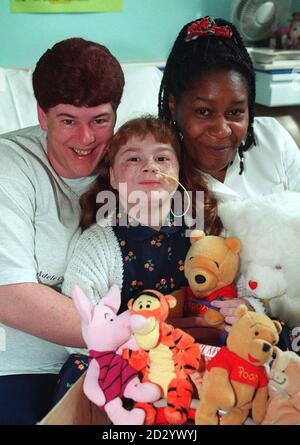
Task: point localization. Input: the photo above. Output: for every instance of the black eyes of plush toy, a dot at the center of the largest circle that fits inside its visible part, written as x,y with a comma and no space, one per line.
256,333
217,264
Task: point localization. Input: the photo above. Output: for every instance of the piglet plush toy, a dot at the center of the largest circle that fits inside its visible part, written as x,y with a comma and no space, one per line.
109,377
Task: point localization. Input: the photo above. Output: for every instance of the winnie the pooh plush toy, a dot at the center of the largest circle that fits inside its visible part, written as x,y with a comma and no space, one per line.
235,379
210,267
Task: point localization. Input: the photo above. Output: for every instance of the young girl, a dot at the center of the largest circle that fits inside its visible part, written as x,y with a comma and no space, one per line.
142,159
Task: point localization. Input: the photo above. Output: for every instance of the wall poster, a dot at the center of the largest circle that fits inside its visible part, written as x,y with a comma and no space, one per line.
49,6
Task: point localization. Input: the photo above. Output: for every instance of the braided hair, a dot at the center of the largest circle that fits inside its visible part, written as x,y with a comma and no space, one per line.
196,57
192,58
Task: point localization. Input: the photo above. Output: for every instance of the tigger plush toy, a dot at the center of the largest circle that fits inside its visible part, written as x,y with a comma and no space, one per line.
167,356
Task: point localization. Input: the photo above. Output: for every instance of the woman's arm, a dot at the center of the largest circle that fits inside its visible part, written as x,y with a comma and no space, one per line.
41,311
96,264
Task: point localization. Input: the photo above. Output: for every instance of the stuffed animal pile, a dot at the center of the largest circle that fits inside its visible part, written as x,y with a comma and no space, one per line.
139,341
269,230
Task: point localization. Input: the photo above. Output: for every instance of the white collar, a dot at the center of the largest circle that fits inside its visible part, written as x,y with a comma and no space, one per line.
220,190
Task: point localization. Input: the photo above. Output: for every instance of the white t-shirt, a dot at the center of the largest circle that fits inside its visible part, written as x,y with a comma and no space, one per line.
273,165
39,220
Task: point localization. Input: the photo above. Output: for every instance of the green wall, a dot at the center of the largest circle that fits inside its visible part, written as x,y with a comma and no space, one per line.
145,30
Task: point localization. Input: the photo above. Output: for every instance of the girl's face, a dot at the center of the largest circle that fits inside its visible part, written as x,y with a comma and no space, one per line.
213,118
137,162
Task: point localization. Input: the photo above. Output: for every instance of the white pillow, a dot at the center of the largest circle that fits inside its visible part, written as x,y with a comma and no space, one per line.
18,105
140,94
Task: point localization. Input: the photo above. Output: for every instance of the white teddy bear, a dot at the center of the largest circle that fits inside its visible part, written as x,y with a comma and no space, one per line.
269,229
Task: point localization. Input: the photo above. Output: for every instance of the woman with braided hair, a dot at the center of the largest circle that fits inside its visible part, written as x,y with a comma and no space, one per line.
208,94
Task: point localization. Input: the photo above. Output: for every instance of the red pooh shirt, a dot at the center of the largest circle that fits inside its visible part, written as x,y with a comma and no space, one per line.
239,370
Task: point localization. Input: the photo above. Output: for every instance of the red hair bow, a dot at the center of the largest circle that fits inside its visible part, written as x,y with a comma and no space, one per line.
207,27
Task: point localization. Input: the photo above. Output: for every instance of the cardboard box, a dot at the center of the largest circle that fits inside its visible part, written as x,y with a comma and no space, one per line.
75,409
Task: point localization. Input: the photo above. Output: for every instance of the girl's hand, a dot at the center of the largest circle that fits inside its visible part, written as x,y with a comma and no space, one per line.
228,308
